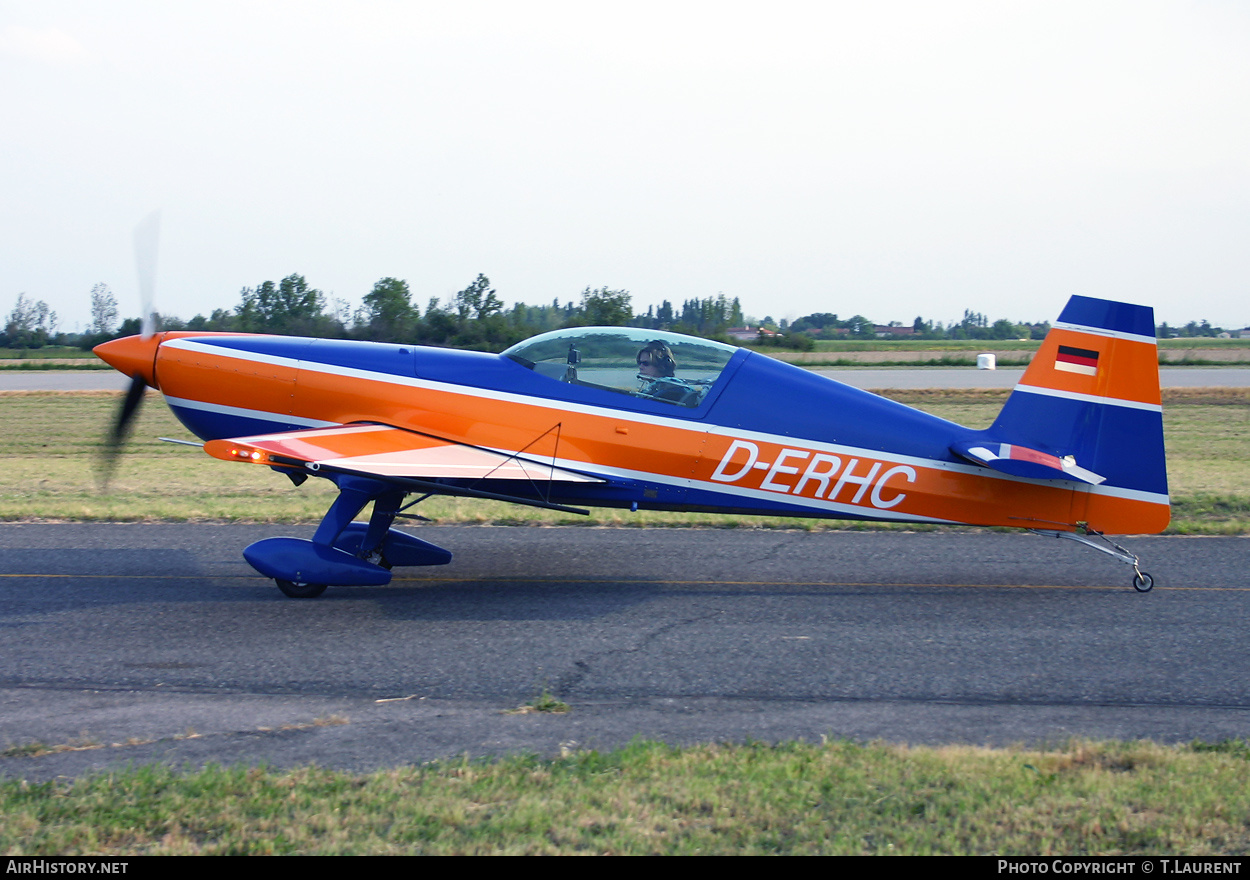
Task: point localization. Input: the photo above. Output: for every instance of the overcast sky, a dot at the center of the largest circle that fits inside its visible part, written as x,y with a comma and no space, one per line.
892,159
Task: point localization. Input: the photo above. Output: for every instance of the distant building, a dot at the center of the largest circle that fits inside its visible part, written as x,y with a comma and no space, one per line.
883,332
747,334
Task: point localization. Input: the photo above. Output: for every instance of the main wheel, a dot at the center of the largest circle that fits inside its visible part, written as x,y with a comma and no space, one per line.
300,591
1142,582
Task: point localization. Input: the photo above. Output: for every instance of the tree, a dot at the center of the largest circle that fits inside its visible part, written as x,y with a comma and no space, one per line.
388,310
606,308
289,307
664,315
479,319
1004,329
861,327
220,319
103,311
477,301
167,322
439,326
30,324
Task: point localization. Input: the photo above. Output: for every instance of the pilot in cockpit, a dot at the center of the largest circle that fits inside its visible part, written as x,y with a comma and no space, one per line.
655,361
656,369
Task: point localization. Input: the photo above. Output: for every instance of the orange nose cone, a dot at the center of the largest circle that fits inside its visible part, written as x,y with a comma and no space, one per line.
132,355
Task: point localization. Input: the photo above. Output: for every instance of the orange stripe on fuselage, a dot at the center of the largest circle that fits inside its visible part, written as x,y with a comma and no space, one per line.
195,374
1135,377
1121,516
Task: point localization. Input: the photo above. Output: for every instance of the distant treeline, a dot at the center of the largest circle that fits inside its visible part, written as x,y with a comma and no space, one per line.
476,318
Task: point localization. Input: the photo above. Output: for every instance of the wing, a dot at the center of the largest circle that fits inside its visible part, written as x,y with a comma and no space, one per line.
393,455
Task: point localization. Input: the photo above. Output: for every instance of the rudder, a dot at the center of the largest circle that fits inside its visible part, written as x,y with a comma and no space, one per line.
1092,392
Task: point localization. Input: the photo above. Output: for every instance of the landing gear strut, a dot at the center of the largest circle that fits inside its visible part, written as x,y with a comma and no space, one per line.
1142,582
343,552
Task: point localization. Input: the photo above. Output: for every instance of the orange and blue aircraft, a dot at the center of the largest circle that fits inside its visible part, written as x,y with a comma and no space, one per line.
646,420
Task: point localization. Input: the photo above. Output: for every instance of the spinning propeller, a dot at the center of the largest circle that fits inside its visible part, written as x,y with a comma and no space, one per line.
129,355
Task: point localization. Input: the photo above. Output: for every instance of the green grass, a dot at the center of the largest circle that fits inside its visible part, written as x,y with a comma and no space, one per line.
1011,352
544,702
1207,343
792,799
43,366
48,351
50,357
54,441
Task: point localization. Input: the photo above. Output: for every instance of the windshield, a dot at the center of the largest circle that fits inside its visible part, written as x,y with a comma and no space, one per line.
642,363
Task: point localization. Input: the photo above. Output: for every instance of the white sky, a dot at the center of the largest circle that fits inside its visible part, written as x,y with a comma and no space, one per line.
891,158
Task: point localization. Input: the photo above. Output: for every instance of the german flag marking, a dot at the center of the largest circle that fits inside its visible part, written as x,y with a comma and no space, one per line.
1077,360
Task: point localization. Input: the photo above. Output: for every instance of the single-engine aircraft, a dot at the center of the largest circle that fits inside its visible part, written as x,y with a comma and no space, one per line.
641,419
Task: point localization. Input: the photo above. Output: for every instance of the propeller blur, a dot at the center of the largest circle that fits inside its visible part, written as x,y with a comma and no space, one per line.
147,236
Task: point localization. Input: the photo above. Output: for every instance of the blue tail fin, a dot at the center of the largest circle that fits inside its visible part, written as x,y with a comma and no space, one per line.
1091,397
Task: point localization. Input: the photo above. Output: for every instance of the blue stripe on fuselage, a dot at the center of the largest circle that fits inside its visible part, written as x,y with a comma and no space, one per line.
376,357
214,425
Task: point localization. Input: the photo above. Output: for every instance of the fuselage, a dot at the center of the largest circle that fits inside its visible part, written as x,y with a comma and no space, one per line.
764,437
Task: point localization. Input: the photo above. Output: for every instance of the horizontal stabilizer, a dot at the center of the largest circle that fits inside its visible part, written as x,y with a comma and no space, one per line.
1021,461
382,451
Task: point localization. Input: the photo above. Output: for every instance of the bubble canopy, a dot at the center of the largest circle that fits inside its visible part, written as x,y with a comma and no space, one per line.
606,357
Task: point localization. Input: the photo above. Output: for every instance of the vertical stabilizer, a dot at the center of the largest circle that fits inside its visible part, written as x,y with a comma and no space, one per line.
1092,392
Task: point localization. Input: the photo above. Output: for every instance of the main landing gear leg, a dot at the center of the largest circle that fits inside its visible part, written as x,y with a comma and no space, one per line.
302,569
385,507
354,494
344,552
1142,582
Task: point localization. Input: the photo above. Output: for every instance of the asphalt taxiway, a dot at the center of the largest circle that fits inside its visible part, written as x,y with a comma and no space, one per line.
130,643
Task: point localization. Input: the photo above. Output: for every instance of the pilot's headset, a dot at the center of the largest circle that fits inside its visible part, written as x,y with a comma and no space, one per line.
661,356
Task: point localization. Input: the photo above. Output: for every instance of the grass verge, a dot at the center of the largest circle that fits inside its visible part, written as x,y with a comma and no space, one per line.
830,798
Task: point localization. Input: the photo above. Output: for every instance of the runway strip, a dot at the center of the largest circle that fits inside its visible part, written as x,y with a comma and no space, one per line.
144,643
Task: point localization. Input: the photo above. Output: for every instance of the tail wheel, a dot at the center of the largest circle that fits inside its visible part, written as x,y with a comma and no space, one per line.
1142,582
300,591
